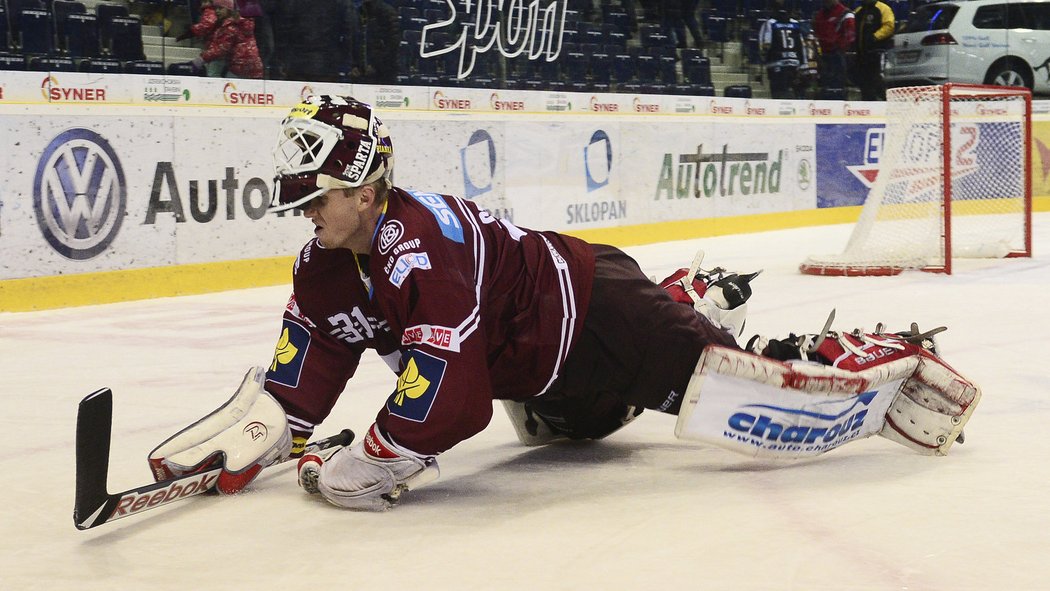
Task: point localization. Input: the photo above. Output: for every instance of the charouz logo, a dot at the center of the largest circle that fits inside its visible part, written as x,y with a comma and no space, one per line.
779,428
79,194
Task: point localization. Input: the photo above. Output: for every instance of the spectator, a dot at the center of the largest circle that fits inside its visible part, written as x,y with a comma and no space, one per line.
255,10
834,28
204,29
376,49
780,40
233,44
875,25
687,20
313,39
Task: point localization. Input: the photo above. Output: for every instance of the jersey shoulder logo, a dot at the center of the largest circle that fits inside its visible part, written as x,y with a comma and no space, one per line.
288,357
446,218
417,387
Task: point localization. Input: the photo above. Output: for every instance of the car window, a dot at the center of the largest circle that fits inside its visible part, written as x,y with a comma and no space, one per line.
931,17
990,17
1036,16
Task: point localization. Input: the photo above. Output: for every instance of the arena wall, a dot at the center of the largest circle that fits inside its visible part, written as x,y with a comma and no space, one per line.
127,187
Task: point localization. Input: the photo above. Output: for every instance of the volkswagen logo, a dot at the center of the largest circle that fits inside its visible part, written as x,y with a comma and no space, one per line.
79,194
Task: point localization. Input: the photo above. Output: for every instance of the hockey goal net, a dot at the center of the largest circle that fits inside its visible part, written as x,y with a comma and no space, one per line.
954,180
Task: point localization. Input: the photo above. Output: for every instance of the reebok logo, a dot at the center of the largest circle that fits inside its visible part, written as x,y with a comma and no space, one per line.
135,502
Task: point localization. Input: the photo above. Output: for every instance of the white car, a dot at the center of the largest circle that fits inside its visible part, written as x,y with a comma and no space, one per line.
1006,43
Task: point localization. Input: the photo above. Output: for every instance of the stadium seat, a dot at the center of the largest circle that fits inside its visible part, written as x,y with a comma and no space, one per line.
60,12
5,29
623,68
43,63
143,67
106,12
12,61
696,69
126,39
36,33
600,68
648,69
182,69
737,90
14,8
668,73
576,64
101,66
82,36
701,90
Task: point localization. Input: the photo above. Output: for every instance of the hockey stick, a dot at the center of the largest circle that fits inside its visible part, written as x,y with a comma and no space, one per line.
94,503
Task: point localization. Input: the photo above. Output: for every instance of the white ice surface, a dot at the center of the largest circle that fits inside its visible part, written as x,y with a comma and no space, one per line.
639,510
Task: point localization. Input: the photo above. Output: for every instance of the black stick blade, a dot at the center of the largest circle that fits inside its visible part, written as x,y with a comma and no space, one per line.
94,426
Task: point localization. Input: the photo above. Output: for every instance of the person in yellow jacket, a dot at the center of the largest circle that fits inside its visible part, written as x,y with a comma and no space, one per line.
875,27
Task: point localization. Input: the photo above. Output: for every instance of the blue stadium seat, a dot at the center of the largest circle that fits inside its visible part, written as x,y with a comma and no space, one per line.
106,12
5,29
654,88
668,74
36,33
575,67
182,69
12,61
696,69
648,69
717,29
101,66
737,90
144,67
126,39
82,36
623,68
600,68
701,90
43,63
60,12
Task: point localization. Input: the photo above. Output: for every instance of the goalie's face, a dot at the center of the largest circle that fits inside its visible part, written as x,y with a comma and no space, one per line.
343,218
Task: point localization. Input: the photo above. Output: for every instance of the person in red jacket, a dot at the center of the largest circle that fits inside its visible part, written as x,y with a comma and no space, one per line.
835,30
232,50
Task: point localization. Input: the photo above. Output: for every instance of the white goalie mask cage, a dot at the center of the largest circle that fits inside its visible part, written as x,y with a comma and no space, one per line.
328,142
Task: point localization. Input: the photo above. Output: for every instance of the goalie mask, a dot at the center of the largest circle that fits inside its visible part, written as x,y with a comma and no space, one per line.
328,142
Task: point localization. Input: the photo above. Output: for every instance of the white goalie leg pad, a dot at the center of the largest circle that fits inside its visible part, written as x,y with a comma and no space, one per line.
933,407
765,408
530,430
248,430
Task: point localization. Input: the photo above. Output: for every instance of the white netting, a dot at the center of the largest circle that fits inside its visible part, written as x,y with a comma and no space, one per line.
903,224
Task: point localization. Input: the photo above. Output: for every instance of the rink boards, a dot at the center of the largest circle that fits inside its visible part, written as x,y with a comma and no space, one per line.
126,187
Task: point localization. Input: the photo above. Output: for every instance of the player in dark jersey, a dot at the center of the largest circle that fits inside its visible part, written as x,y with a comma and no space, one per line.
479,308
784,51
572,337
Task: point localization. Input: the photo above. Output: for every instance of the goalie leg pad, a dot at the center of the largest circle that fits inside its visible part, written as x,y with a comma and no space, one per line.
933,407
248,432
765,408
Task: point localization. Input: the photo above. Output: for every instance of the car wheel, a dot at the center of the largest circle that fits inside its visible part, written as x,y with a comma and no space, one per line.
1009,74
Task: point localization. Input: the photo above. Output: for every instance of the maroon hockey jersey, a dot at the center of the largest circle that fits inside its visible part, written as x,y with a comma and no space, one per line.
478,308
328,322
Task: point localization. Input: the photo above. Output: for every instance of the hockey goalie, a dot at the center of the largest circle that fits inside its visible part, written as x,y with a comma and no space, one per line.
571,337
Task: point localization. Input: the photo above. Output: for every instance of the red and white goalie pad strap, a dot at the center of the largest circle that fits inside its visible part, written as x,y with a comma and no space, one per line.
766,408
248,432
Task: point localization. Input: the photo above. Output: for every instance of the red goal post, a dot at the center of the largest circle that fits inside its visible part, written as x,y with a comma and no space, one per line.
954,180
